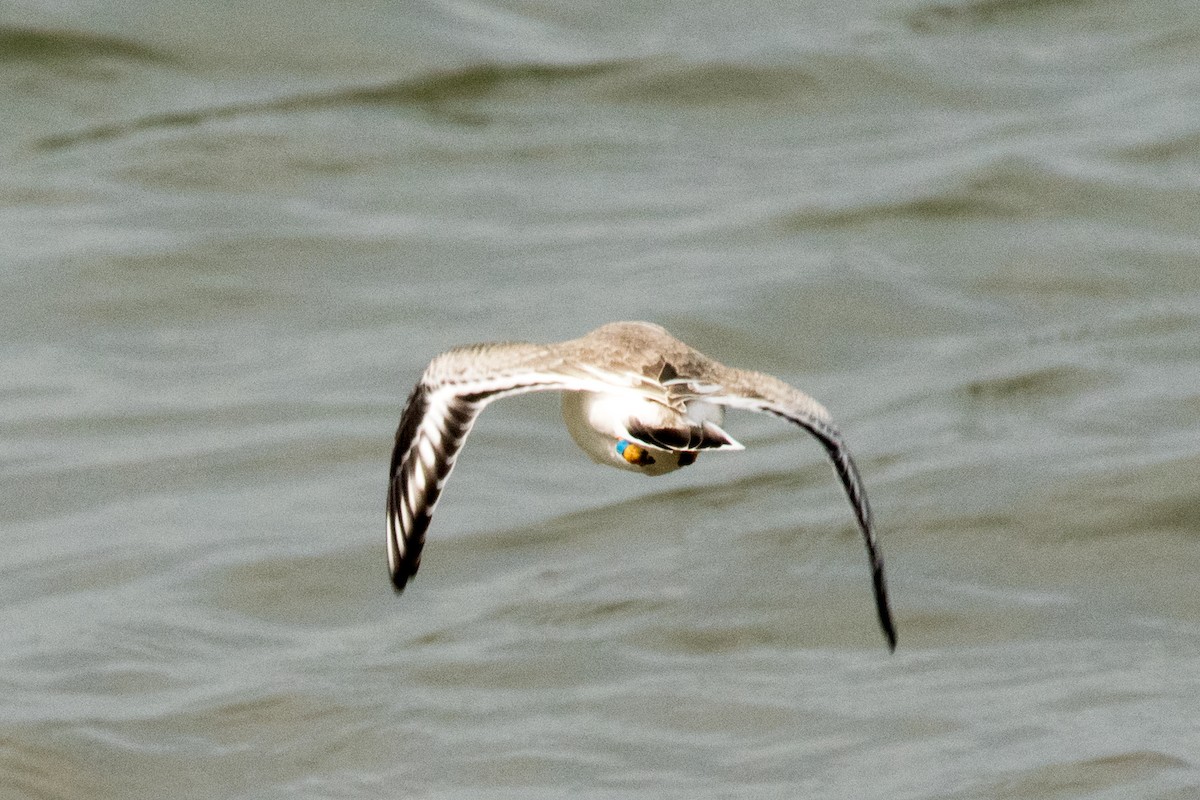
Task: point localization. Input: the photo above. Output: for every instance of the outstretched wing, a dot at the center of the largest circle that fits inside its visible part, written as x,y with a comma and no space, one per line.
433,428
440,412
759,392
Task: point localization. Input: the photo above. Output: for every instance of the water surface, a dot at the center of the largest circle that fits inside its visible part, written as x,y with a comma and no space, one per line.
231,238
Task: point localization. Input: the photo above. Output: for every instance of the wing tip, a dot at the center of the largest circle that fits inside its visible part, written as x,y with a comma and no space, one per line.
399,581
883,607
889,633
401,566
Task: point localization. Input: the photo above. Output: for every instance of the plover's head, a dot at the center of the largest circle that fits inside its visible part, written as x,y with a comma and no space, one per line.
596,423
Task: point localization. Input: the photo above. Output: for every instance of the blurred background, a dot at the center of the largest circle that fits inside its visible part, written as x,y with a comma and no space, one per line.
233,234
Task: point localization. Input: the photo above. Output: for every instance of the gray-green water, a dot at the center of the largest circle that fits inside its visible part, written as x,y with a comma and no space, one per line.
232,235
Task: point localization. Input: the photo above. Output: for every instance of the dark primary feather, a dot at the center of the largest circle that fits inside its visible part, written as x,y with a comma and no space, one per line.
413,484
847,473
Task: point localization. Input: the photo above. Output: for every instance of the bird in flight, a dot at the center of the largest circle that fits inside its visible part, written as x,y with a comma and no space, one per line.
634,397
